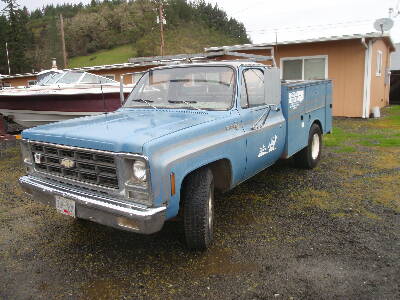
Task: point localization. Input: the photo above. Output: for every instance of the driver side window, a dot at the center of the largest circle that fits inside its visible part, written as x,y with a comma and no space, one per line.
252,93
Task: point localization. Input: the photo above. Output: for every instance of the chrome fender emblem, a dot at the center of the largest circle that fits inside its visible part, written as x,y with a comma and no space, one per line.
67,163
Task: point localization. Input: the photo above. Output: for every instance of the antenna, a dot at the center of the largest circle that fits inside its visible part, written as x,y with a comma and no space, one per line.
384,24
276,47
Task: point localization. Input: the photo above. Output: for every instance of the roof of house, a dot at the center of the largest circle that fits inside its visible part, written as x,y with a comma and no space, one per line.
395,58
386,37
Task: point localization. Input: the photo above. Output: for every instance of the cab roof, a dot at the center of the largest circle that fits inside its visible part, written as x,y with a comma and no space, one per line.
229,63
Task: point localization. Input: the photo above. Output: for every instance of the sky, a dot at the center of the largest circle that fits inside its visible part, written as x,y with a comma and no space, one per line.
293,19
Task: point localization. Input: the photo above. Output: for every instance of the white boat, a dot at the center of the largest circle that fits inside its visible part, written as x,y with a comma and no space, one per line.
60,95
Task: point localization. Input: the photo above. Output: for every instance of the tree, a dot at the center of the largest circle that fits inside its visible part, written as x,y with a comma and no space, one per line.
18,37
33,38
3,39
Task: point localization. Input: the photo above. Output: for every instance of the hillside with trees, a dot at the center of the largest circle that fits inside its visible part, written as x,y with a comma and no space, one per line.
33,38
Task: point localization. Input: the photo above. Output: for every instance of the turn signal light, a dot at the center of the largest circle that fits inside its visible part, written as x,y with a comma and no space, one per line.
172,184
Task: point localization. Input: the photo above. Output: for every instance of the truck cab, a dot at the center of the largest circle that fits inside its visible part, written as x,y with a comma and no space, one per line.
184,132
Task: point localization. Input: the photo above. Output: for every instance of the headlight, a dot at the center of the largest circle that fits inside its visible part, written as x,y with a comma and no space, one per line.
139,170
26,152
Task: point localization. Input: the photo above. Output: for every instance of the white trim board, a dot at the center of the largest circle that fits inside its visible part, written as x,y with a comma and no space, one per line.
367,80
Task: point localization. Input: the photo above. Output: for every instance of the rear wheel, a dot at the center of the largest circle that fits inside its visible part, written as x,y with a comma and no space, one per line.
309,157
198,214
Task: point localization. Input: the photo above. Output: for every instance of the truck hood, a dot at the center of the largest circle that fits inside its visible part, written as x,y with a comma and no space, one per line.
126,130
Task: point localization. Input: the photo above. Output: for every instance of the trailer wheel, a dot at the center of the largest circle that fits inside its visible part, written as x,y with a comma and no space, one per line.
309,157
198,214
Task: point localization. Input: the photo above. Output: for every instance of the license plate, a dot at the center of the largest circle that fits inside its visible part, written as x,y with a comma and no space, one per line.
65,206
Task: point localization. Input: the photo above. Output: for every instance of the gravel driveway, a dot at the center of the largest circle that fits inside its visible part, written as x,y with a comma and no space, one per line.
333,232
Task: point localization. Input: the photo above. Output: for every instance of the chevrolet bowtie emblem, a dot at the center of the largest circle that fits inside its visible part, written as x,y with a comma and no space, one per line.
67,163
38,158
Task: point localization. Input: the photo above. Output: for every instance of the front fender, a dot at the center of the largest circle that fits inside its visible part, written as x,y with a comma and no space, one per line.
190,149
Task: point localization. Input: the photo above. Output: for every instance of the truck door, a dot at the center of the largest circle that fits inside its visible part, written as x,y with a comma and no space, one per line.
264,125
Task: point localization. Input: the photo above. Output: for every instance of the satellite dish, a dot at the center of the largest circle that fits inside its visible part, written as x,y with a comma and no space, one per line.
383,24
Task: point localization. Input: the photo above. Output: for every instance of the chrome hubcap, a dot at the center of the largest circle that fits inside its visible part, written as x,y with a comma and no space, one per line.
315,146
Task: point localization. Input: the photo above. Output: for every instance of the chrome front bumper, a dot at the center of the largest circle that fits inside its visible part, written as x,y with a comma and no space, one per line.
96,208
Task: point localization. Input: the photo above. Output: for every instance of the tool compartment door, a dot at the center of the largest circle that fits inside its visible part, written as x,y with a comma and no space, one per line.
293,105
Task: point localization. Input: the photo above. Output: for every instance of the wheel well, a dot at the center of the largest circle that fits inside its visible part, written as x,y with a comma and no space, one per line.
319,124
222,173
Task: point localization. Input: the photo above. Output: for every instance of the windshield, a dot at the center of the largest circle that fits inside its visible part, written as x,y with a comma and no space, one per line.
49,78
203,87
70,77
94,79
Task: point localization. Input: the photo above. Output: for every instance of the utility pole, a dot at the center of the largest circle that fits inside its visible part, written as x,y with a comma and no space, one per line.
161,20
8,60
63,41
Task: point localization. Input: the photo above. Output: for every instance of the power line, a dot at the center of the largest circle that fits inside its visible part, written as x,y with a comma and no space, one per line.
308,27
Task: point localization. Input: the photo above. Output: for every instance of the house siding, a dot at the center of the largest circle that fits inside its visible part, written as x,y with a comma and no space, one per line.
19,81
379,88
345,69
119,72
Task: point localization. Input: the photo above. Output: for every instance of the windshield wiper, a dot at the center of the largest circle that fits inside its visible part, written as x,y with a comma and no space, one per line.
145,101
189,103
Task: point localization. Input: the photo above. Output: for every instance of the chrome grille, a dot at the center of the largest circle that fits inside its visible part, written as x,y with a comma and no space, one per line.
89,167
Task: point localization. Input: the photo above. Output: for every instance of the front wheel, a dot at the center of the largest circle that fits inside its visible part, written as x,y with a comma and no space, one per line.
198,214
309,157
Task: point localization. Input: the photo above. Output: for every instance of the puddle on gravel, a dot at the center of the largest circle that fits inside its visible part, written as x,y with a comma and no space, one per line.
102,289
245,218
219,262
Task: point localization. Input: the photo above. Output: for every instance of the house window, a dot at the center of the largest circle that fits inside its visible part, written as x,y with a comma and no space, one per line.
31,82
6,84
110,76
136,76
304,68
379,63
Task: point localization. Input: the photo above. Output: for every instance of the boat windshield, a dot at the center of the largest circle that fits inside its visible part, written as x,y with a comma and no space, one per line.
73,77
197,87
49,78
70,77
94,79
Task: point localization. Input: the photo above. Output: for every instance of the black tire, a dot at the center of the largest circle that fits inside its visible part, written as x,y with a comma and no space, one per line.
198,216
307,158
4,124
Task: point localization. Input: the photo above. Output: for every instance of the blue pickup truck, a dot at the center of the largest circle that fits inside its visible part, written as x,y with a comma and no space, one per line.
184,132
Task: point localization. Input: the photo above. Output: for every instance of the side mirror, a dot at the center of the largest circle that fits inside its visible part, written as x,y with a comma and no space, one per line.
274,107
272,84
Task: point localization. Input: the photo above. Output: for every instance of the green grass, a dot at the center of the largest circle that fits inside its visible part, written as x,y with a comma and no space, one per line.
337,137
346,149
382,142
190,38
383,132
116,55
